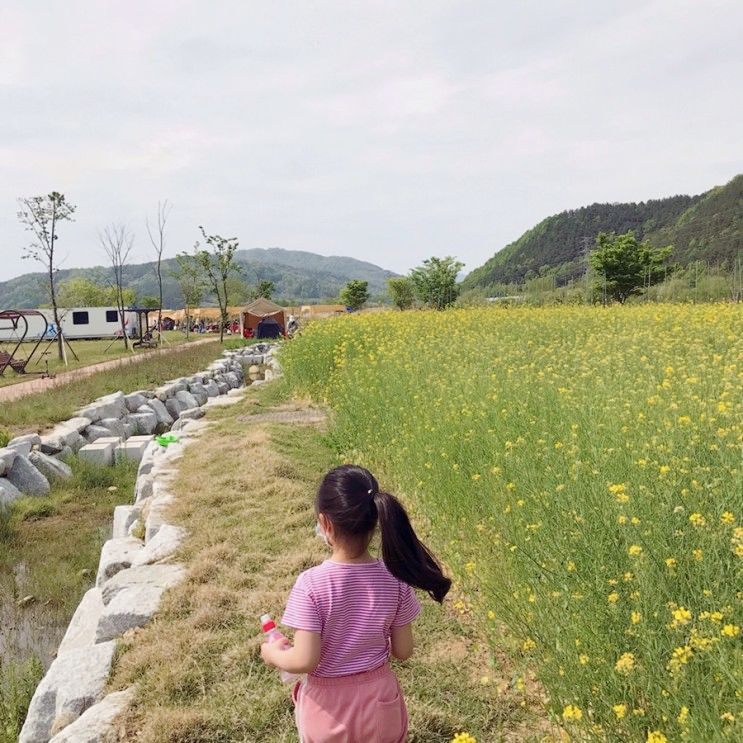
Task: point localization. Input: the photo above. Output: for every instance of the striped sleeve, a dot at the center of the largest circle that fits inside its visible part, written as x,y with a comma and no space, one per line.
408,607
301,611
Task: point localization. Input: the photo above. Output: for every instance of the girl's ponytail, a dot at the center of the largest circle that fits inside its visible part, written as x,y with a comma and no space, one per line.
405,556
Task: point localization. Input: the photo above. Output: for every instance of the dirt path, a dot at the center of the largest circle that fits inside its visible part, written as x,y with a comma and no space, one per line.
39,384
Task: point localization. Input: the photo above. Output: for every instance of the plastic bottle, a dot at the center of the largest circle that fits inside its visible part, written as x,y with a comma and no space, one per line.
272,634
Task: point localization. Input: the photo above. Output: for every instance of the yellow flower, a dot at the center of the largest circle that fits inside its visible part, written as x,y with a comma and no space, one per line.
727,717
613,597
625,664
622,520
664,469
727,518
680,657
528,645
634,550
470,567
583,659
681,616
635,617
620,710
571,566
491,614
571,712
697,554
671,562
464,738
683,715
696,519
730,630
655,736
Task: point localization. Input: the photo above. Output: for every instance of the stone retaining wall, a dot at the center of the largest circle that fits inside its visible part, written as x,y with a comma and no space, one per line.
133,571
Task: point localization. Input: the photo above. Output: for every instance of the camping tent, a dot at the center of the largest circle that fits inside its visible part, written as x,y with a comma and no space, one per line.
251,315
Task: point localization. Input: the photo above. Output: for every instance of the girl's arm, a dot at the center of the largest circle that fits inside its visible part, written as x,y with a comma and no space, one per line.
401,640
303,657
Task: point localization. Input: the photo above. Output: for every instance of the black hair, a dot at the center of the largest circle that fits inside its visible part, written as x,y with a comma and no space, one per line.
349,496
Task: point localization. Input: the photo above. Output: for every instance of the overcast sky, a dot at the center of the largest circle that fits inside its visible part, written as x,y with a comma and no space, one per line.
386,131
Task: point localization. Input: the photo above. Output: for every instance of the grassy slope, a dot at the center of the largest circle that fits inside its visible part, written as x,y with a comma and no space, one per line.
38,411
197,666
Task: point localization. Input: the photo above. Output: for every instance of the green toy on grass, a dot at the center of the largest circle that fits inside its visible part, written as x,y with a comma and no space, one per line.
166,438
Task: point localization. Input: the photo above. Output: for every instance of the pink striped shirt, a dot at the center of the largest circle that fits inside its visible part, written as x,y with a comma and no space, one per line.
353,606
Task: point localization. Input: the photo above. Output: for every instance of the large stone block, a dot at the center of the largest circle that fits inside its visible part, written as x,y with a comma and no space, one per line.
24,444
109,406
211,388
134,400
7,457
27,478
116,555
96,724
164,418
8,493
51,468
94,432
144,420
198,390
162,545
114,425
192,414
99,452
124,517
73,683
135,600
133,449
174,407
81,629
187,399
64,435
232,379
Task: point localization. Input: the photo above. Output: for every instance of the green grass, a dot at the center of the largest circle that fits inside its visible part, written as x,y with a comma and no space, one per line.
88,352
38,411
581,470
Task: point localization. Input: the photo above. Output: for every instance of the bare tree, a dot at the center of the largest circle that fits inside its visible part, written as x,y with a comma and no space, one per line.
158,243
117,242
40,215
218,266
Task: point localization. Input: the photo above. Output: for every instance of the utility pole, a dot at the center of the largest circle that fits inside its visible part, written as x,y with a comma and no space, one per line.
586,273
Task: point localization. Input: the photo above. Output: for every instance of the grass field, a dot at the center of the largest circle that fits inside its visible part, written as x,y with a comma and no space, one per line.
38,411
88,352
582,471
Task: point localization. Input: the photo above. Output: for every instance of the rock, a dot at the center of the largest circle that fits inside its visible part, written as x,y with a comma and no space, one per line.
143,487
124,517
73,683
24,444
237,392
7,457
8,493
192,414
162,545
109,406
64,455
211,388
232,379
134,400
199,392
187,399
164,418
116,555
223,387
27,478
63,435
94,432
156,512
51,468
144,420
135,598
129,429
96,724
79,423
81,629
174,407
114,426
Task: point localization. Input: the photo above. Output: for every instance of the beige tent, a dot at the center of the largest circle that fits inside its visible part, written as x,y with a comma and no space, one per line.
251,315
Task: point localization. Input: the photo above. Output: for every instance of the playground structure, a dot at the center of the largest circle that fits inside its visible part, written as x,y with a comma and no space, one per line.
15,323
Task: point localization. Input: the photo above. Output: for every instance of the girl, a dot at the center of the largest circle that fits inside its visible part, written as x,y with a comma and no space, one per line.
351,611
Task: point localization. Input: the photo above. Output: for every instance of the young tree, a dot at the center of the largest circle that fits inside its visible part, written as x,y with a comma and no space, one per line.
626,266
190,277
265,288
117,241
40,216
157,238
435,282
218,265
355,293
401,291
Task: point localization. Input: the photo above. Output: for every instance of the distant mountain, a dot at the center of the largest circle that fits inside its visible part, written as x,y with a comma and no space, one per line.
299,276
708,227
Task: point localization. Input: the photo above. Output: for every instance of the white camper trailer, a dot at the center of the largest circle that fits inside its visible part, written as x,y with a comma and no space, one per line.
80,323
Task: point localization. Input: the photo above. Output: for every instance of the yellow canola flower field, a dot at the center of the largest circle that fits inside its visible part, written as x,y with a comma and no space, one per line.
582,472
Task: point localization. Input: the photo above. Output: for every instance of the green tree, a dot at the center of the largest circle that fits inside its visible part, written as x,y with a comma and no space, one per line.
40,215
150,303
355,293
625,266
265,288
218,266
435,282
79,291
189,274
401,291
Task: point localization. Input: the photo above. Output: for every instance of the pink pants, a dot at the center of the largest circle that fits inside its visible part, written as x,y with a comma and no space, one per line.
362,708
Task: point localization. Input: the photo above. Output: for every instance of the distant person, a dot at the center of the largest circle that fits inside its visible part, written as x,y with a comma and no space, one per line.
351,611
292,326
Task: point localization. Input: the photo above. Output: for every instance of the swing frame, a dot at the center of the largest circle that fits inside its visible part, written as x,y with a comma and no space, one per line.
9,359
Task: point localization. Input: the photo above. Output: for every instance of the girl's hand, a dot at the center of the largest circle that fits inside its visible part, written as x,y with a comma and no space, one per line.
269,650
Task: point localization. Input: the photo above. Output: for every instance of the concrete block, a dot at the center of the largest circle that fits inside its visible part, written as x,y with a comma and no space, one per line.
132,449
101,453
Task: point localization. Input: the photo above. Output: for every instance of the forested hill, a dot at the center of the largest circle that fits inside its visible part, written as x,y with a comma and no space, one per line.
298,277
707,227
